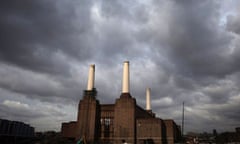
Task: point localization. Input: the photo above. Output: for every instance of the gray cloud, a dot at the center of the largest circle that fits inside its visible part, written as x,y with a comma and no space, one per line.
233,24
34,34
195,45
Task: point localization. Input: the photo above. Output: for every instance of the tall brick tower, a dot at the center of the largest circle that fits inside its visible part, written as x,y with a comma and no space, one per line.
89,112
124,112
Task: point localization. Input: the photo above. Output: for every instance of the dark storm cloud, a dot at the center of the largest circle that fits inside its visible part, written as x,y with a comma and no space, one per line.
35,33
116,24
131,11
221,91
38,86
197,45
198,55
233,24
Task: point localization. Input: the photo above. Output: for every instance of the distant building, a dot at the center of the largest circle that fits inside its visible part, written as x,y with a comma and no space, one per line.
123,121
199,138
12,131
229,137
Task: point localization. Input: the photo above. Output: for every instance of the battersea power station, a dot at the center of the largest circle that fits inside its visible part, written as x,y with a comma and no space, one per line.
122,122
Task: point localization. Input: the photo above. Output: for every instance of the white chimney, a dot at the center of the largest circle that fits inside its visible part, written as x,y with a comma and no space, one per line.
148,99
125,82
91,74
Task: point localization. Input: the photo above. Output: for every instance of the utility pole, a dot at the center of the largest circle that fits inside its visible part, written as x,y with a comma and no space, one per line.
183,119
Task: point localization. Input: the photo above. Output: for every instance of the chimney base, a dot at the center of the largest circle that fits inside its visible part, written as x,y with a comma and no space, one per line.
150,112
125,95
90,93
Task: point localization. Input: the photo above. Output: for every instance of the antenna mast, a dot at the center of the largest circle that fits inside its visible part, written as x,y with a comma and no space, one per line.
183,119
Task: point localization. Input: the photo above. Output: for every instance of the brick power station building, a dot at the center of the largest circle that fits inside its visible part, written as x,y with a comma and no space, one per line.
122,121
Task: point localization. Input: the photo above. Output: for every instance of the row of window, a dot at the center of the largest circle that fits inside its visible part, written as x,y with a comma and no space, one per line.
106,121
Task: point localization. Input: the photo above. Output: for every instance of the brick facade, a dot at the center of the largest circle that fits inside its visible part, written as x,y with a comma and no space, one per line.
124,120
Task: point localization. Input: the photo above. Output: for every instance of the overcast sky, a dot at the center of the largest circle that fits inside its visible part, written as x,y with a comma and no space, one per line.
184,50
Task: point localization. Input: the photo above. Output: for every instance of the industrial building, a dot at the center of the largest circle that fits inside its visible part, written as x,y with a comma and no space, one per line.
123,121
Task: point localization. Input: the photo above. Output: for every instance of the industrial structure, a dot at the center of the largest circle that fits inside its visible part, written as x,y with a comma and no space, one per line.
123,121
